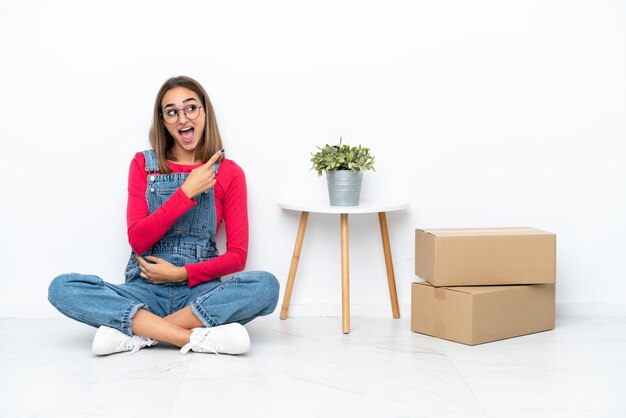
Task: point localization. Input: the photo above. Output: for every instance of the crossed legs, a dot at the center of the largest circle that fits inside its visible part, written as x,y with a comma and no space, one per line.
164,313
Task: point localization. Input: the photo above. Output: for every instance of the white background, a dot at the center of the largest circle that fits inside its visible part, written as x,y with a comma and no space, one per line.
480,113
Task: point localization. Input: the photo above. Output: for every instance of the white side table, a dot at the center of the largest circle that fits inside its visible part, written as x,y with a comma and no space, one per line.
365,207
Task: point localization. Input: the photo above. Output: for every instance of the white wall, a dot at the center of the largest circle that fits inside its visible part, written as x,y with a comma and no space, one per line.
481,113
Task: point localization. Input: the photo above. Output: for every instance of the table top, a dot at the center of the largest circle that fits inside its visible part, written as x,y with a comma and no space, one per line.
324,207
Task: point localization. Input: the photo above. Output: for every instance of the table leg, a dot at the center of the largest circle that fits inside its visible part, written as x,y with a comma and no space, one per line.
382,217
294,264
345,275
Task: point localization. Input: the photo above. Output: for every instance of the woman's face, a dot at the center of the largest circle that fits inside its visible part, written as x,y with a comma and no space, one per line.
184,118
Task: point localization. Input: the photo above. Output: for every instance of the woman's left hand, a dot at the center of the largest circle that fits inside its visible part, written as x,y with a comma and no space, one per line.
158,271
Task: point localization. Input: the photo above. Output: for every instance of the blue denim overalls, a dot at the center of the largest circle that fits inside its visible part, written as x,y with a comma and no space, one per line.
191,239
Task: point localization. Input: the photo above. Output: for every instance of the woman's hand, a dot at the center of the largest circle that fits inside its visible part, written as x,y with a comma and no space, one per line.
201,179
159,271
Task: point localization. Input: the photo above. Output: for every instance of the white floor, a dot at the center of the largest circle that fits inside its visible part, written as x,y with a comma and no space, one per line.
305,367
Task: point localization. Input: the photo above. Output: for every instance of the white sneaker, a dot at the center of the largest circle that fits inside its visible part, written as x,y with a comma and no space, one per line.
226,339
109,340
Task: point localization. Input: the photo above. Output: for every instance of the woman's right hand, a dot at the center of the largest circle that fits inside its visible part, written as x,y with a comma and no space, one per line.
201,179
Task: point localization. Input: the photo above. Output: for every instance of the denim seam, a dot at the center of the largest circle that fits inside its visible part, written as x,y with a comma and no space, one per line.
206,319
200,312
127,317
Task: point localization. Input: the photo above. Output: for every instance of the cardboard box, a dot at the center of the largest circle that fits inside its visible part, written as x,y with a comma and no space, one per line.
485,256
479,314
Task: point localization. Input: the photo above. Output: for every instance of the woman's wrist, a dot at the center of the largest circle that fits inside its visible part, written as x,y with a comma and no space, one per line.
187,191
181,274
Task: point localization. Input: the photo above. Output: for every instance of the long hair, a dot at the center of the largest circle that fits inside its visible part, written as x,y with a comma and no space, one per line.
161,140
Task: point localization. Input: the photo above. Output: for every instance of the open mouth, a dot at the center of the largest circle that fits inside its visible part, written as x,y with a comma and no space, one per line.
186,134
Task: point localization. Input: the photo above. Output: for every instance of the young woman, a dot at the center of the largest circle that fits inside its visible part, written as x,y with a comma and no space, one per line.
179,193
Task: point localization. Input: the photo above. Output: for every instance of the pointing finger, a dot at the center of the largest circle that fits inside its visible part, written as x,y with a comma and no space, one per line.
215,157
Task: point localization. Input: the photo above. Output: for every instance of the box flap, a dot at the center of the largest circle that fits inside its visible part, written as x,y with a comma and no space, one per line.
470,290
461,232
479,290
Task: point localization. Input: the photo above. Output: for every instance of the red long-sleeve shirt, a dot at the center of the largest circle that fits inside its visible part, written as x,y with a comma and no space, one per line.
231,205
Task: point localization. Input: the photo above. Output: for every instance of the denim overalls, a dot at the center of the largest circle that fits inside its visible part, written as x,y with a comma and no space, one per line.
191,239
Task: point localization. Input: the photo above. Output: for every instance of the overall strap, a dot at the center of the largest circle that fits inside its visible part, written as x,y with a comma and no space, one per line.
151,161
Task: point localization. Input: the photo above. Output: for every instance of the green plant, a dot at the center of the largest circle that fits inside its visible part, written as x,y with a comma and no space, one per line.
342,157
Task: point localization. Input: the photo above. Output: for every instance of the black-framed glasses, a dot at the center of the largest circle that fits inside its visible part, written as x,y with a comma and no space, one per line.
191,112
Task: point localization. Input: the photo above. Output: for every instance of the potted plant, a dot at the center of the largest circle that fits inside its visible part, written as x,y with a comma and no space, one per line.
344,166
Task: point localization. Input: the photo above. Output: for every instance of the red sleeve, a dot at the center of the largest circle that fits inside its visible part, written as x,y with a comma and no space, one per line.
231,204
145,230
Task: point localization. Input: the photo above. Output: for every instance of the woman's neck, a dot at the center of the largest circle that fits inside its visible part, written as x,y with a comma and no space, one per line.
184,158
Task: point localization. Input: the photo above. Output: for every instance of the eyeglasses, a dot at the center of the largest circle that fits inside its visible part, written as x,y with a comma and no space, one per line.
191,112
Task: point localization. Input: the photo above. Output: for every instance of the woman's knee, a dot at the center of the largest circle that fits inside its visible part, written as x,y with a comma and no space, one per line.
60,287
57,287
267,286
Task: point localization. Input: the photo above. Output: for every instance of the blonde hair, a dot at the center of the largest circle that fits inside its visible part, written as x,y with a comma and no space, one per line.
161,140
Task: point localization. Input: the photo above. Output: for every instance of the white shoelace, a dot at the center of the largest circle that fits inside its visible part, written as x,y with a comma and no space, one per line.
203,333
137,342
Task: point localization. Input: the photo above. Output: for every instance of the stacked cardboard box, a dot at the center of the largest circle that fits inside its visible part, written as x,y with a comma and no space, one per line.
483,284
